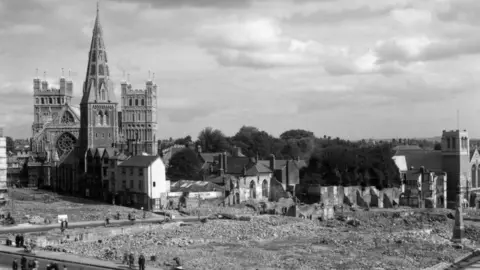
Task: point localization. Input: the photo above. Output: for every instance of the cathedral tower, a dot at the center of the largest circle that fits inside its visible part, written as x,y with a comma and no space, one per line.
139,113
456,161
98,107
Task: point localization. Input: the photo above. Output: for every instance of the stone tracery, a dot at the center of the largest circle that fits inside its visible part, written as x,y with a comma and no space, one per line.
65,143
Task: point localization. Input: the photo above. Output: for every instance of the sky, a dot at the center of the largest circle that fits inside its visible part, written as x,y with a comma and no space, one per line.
347,68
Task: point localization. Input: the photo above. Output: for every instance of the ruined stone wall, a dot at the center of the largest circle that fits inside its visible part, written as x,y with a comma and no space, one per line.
363,197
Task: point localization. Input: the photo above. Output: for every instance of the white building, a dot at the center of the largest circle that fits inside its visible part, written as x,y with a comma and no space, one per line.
141,181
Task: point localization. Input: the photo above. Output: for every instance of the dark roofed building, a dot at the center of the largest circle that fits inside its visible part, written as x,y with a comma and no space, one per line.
431,160
139,161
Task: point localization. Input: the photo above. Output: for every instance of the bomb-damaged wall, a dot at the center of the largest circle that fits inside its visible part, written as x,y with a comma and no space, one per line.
363,197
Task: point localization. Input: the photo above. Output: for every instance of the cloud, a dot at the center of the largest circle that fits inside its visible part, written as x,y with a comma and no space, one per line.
350,14
422,48
22,29
220,4
260,43
464,11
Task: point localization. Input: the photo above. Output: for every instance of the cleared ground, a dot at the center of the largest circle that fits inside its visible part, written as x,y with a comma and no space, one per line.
388,240
27,204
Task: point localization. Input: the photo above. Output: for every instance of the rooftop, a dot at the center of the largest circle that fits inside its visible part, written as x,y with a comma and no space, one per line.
139,161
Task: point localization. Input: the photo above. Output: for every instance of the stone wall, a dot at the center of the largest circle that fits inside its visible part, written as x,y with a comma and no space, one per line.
363,197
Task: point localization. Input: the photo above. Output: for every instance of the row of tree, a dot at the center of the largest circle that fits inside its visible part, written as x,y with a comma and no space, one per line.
331,161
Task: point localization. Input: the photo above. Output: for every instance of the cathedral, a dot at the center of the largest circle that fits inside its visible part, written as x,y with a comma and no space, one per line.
67,139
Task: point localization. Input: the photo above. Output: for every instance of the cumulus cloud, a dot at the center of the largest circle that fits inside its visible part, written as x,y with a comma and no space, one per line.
349,14
422,48
465,11
260,43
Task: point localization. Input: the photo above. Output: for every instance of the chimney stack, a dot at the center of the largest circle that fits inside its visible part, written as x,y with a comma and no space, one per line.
222,166
225,163
272,162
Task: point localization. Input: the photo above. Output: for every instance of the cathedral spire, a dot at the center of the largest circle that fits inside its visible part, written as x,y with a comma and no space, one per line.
97,86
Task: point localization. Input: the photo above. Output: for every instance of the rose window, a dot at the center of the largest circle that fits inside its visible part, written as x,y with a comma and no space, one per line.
65,143
67,118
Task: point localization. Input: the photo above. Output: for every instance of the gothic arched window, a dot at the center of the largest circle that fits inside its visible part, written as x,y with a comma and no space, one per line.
139,116
136,102
58,101
100,118
143,102
130,102
50,101
103,94
100,69
107,119
43,101
67,118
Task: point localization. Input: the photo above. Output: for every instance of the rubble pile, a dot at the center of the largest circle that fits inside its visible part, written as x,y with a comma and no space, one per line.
350,241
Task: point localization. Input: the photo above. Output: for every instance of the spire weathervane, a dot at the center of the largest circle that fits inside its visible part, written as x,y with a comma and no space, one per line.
62,72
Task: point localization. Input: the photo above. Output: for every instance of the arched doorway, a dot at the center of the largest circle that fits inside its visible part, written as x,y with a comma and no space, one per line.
265,188
253,194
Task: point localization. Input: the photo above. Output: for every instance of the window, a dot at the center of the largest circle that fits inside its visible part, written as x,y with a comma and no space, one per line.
50,101
124,171
109,135
107,119
131,171
130,102
105,172
140,171
140,185
143,102
136,102
103,135
58,100
153,183
124,184
96,135
131,184
43,101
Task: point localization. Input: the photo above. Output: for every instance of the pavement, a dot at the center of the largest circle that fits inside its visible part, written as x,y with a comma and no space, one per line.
28,228
8,254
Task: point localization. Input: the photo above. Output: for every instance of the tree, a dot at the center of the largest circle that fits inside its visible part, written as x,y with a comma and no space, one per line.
213,140
437,146
253,142
291,150
184,165
296,134
10,144
184,141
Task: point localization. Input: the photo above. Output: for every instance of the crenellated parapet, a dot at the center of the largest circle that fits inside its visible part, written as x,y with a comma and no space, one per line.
41,87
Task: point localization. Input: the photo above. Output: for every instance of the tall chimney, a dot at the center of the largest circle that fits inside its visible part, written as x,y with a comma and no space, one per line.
225,163
272,162
222,166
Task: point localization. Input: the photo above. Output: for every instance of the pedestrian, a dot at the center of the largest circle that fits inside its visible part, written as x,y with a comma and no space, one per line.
37,265
141,262
49,266
22,238
31,264
118,215
131,260
23,263
15,265
61,225
125,258
17,240
129,216
66,224
64,267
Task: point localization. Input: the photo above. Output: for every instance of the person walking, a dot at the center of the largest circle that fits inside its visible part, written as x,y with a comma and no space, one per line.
31,264
23,263
22,239
17,240
15,265
37,265
131,260
64,267
141,262
125,258
66,224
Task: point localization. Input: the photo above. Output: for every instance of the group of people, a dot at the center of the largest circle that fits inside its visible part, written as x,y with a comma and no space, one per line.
24,264
19,240
130,260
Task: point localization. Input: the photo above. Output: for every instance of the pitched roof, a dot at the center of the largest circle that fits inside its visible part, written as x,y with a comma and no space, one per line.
235,165
194,186
100,151
220,179
431,160
257,168
139,161
120,156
